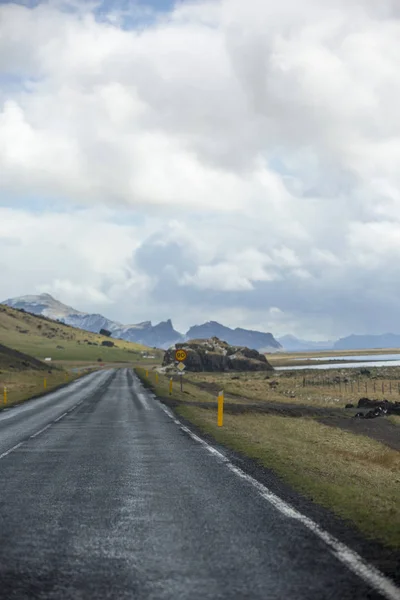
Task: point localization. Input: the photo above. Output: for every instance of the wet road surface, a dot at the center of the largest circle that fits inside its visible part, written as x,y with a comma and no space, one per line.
103,496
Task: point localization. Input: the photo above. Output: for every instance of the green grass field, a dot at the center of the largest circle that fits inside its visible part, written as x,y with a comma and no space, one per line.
44,338
69,348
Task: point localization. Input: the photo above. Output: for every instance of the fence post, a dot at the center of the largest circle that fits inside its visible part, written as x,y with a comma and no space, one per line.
366,387
304,383
383,387
374,386
390,387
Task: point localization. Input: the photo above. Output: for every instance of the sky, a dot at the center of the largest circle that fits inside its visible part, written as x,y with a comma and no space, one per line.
210,160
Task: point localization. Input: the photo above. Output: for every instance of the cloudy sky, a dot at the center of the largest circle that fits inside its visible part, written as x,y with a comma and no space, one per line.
220,160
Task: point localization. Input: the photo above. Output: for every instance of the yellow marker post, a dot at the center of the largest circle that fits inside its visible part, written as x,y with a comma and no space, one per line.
147,373
5,395
170,386
156,377
44,383
221,408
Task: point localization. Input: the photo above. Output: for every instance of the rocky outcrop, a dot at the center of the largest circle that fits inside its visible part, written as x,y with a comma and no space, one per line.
379,406
215,355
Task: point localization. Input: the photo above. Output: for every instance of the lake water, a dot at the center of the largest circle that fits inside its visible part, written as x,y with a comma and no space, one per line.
373,360
359,357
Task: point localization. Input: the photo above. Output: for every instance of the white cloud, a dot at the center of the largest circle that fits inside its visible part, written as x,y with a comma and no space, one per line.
257,143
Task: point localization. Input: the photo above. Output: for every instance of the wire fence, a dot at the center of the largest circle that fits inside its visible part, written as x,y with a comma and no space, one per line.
355,386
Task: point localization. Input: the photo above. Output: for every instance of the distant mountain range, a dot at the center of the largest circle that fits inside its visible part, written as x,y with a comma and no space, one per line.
163,335
362,342
292,344
235,337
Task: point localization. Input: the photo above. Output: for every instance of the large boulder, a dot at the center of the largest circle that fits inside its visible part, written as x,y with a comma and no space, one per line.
216,355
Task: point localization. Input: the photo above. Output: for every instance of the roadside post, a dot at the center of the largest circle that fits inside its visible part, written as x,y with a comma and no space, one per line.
147,373
221,408
5,395
156,377
44,383
170,386
180,357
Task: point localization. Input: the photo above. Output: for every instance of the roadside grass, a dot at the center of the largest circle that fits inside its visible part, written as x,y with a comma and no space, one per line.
289,389
355,477
23,385
395,419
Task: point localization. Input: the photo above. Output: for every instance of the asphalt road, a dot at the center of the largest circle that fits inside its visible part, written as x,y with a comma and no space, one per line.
104,496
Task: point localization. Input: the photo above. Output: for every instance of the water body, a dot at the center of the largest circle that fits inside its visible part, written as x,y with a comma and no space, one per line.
377,360
357,357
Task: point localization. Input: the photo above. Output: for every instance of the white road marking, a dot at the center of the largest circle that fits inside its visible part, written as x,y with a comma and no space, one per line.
60,417
351,559
11,450
143,400
49,424
40,431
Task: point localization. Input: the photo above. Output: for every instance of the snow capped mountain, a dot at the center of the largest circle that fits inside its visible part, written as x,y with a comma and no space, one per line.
162,335
44,304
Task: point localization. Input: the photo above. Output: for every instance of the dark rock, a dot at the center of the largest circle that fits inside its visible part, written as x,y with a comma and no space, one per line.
349,406
365,372
108,343
215,355
104,332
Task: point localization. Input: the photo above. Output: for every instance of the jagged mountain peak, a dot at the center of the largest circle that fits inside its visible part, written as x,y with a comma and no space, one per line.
161,335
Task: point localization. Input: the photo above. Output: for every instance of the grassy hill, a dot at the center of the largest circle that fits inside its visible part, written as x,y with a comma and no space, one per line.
41,337
12,359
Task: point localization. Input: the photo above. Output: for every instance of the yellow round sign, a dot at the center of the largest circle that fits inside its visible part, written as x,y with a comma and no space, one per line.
180,355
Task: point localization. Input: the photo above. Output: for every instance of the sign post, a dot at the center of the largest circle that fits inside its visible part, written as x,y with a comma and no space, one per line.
180,357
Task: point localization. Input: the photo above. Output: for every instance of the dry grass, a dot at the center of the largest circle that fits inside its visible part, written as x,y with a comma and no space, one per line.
352,475
25,384
290,386
395,419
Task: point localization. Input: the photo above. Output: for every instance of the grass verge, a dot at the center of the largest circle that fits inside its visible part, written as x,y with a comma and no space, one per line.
24,385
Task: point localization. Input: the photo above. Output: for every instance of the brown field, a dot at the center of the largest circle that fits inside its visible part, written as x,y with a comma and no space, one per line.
314,388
